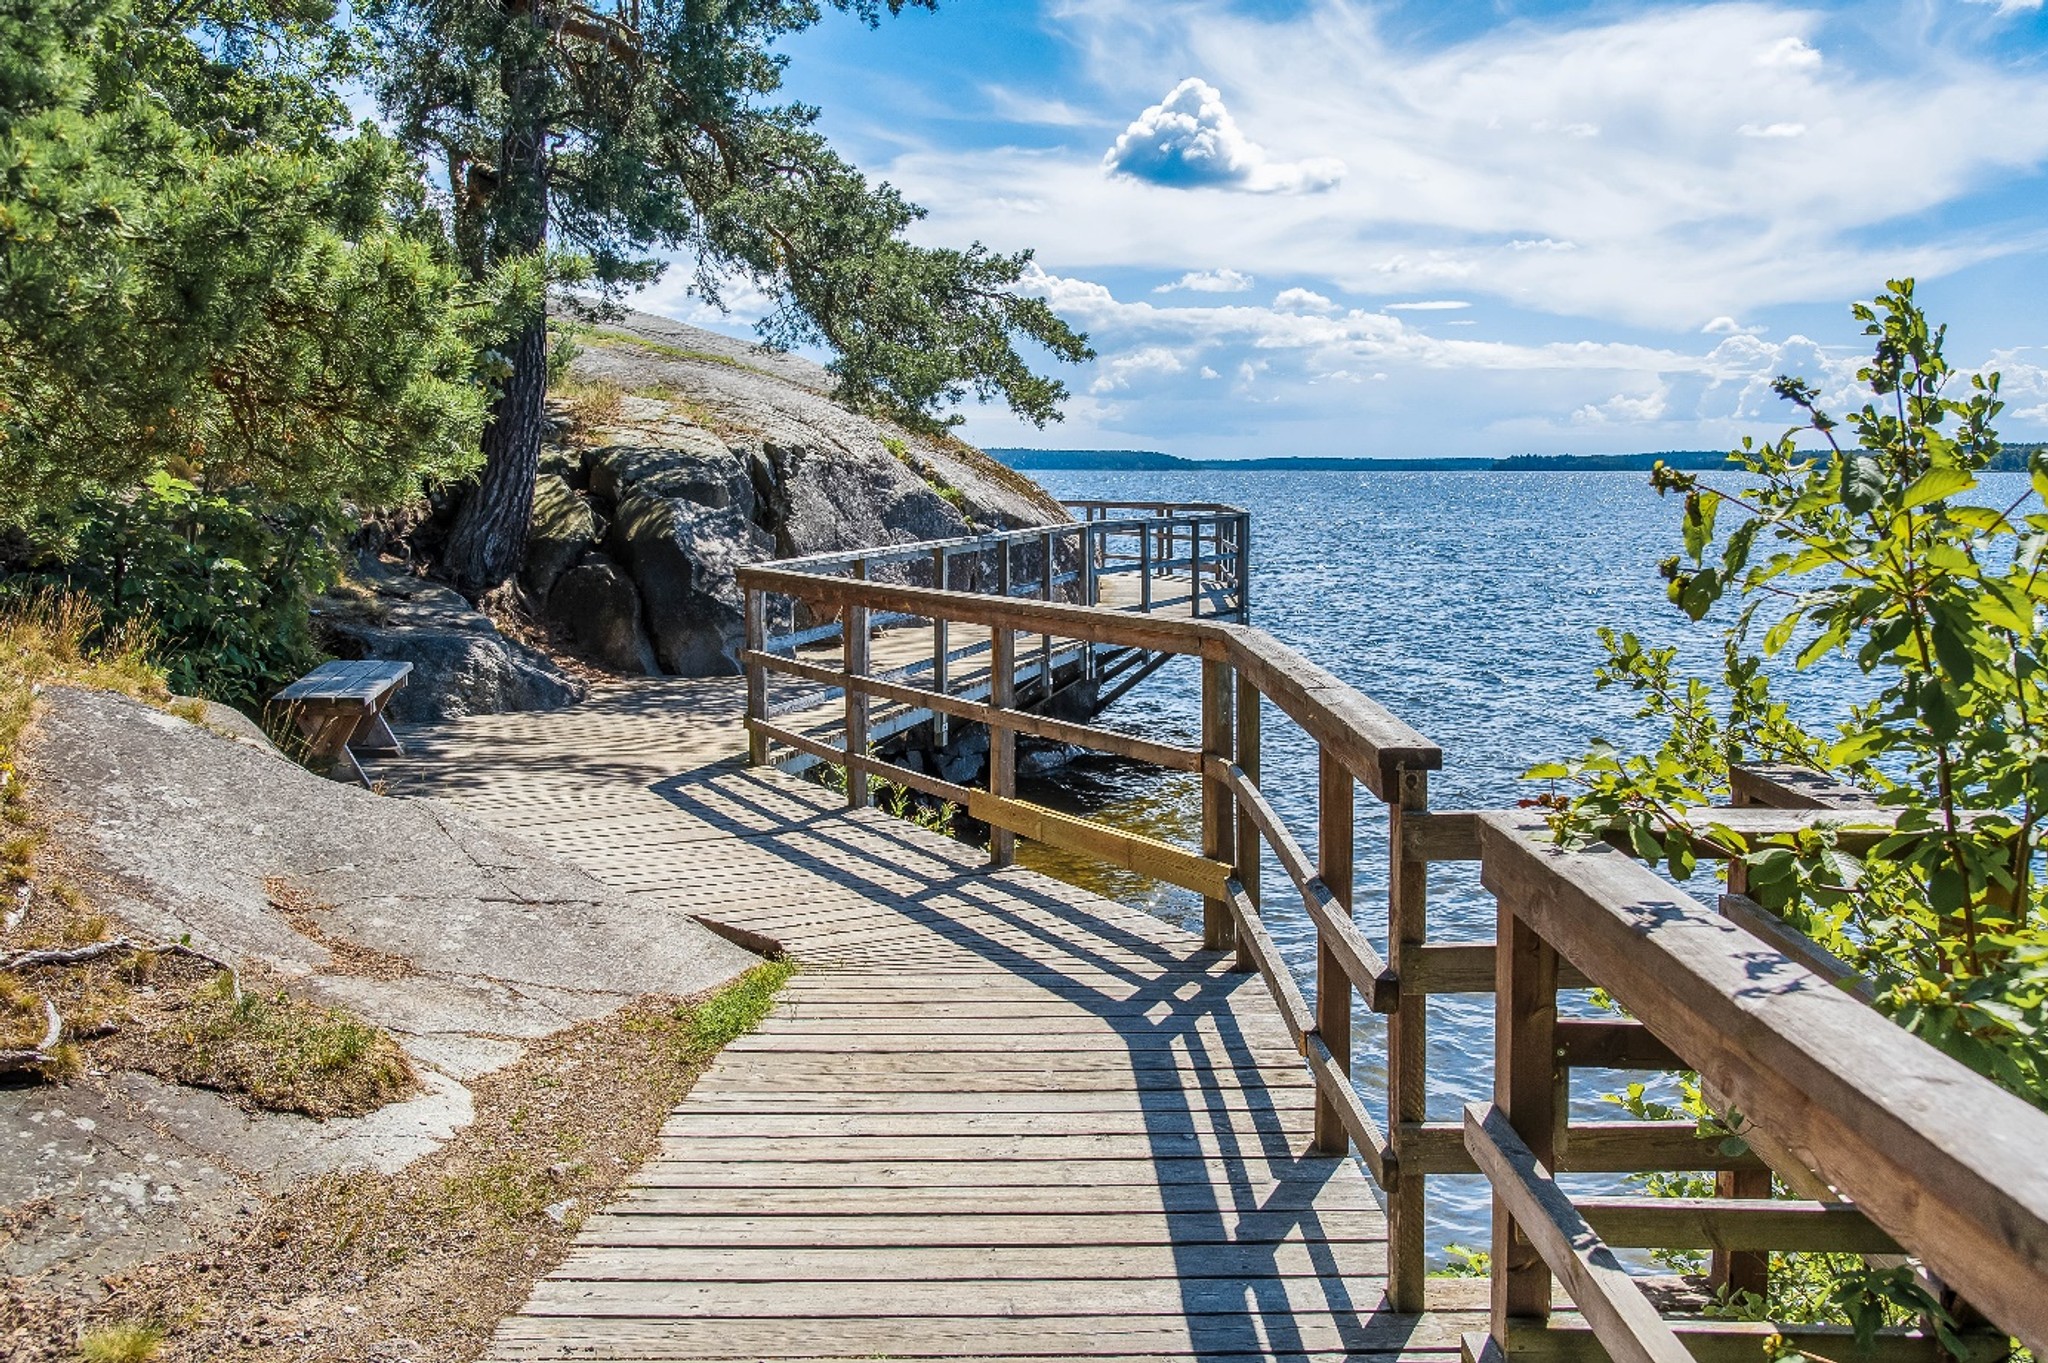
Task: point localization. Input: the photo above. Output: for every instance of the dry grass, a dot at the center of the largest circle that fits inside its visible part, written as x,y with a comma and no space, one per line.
587,404
267,1048
422,1264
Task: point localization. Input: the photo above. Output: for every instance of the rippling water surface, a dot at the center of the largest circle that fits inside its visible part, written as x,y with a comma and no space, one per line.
1465,603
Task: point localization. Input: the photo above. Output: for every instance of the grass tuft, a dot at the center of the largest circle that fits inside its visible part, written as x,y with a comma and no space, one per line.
283,1053
129,1342
733,1011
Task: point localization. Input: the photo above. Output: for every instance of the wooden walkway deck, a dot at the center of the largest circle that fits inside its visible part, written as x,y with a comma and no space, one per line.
994,1116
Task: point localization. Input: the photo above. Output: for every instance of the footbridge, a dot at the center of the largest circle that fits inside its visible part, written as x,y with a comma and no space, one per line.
999,1117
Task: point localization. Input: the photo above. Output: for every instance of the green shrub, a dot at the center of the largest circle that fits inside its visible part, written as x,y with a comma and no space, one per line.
221,581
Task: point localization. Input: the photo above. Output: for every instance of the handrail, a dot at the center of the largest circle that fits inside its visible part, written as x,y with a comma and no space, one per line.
1932,1155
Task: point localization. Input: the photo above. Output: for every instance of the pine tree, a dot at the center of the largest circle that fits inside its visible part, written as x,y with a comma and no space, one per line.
203,270
612,136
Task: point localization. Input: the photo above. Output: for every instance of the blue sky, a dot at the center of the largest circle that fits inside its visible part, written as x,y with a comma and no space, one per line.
1463,228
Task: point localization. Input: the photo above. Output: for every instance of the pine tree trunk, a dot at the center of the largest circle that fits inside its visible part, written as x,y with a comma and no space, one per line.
489,538
488,541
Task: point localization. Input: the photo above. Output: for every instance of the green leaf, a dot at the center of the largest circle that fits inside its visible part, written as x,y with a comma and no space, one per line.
1862,483
1934,485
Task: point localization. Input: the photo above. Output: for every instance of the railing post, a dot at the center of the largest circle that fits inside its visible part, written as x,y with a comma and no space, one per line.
939,649
757,675
1248,836
1244,568
1195,569
1089,590
1335,847
1526,1084
1407,1045
1002,742
1217,805
853,636
1145,568
1740,1270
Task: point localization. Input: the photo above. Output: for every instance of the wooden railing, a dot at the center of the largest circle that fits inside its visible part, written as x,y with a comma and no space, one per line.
1163,559
1887,1146
1358,742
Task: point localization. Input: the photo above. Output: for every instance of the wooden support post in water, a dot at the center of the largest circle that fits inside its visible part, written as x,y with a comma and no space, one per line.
1248,836
853,636
1090,588
1195,569
1407,1043
1045,640
940,647
1002,742
1526,1085
1217,803
1335,847
757,676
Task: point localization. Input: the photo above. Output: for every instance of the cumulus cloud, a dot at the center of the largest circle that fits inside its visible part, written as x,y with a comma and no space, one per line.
1302,300
1772,130
1430,305
1209,281
1190,141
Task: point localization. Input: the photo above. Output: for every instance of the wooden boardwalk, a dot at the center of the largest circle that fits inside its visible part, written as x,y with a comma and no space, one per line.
994,1116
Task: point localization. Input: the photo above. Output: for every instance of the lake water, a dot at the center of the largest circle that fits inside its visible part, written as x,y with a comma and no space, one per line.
1466,603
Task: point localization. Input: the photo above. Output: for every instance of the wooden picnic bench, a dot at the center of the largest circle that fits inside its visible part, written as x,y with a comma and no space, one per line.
339,707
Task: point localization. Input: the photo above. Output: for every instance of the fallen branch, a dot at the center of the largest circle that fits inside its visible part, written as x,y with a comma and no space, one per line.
115,946
44,1051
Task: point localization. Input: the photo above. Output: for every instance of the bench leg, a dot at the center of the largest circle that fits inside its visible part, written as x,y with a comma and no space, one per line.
374,735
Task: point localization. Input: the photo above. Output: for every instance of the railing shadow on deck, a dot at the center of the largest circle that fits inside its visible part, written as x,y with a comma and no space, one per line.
1068,938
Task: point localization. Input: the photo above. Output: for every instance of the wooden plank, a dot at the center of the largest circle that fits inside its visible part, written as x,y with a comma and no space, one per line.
1620,1316
827,1231
1585,1148
1886,1117
1336,1091
1778,785
1721,1223
1256,945
1175,1199
1614,1045
1336,1124
957,1264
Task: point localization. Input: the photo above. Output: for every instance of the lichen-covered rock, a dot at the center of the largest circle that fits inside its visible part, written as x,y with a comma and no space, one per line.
684,556
565,526
715,454
461,664
598,606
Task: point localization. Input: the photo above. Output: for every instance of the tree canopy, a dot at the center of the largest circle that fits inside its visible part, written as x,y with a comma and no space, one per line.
203,269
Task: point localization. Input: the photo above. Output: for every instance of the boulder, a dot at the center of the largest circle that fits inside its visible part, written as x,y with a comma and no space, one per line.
564,528
598,606
684,557
461,664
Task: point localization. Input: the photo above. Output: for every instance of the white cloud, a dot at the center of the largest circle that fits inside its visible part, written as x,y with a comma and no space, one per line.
1148,361
1302,300
1209,281
1625,407
1772,130
1190,141
1430,305
1667,217
1015,106
1791,52
2006,7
